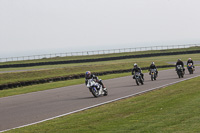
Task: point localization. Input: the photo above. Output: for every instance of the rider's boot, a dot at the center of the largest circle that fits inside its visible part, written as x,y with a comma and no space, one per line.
103,86
142,76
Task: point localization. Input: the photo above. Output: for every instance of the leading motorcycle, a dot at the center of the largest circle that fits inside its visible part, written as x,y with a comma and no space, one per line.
96,89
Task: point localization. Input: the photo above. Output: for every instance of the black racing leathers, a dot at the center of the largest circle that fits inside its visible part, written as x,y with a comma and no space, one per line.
152,66
137,69
95,78
180,63
190,61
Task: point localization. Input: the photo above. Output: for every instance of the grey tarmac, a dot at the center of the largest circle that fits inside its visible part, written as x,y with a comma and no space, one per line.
28,108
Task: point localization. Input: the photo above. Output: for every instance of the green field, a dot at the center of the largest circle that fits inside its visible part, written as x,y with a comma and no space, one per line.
80,68
70,69
170,109
99,56
53,85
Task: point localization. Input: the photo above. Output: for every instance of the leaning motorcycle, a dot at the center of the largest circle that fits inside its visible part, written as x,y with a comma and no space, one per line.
96,89
138,78
153,74
190,68
180,71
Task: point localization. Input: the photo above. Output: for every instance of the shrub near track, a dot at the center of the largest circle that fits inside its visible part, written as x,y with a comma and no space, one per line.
171,109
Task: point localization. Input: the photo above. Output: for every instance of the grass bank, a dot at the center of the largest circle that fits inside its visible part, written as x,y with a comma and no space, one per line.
170,109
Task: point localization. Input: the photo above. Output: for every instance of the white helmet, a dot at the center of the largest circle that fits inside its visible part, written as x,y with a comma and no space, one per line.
135,64
190,59
153,63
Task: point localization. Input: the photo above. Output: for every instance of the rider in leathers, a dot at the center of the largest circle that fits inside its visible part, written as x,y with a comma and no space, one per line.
137,69
190,61
179,62
153,66
88,76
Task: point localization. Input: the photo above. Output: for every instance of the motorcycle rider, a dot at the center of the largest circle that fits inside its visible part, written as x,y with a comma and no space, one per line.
88,76
137,69
190,61
153,66
179,62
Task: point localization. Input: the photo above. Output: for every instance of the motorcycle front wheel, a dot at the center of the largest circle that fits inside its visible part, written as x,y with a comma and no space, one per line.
137,82
141,81
179,75
152,77
190,71
94,91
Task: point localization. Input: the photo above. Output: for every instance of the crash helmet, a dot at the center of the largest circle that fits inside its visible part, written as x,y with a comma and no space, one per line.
88,74
135,65
179,60
189,59
153,63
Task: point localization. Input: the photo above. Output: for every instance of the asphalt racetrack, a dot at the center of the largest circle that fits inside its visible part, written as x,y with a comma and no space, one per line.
34,107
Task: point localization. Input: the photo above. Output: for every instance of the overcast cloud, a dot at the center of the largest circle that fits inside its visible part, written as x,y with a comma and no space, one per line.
29,27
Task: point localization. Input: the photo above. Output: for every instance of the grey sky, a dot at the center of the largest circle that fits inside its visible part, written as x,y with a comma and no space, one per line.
30,27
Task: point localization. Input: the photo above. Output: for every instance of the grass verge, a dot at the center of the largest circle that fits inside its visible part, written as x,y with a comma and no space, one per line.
170,109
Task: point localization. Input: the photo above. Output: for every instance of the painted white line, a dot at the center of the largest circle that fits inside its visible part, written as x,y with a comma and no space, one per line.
101,103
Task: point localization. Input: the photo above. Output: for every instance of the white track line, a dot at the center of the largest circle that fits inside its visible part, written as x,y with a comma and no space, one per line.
100,104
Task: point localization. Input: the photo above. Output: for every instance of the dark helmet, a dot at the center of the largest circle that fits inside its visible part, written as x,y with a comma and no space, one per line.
88,74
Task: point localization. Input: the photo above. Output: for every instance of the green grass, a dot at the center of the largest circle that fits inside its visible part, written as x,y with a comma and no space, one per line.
98,56
70,69
53,85
170,58
171,109
35,75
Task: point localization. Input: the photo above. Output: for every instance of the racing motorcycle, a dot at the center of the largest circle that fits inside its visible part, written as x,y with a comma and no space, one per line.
96,89
153,74
180,71
138,78
190,68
